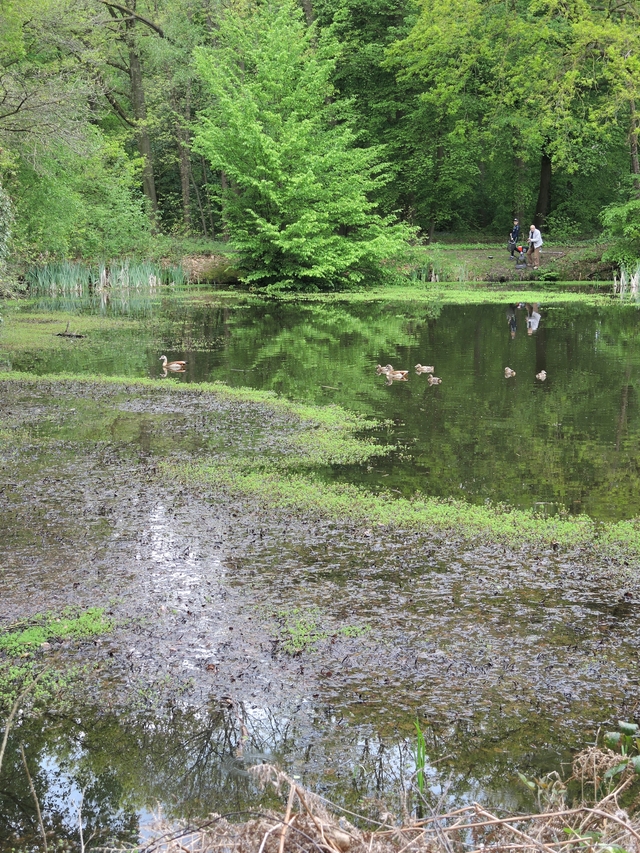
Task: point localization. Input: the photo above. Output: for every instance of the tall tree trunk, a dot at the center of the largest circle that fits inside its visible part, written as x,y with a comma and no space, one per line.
140,115
633,145
224,183
184,159
519,190
544,192
307,8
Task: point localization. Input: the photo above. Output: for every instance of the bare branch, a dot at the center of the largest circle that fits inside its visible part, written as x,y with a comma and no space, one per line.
134,16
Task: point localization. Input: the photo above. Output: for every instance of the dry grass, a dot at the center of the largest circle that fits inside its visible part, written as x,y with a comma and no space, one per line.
307,825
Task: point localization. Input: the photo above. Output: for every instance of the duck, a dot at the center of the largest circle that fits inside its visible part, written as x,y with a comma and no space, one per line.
434,380
397,375
542,375
172,365
421,368
508,373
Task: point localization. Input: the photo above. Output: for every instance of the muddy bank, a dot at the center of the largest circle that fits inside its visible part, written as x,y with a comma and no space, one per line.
326,638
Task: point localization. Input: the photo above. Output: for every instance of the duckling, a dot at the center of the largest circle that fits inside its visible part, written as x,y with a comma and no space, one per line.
380,369
508,373
172,365
542,375
421,368
434,380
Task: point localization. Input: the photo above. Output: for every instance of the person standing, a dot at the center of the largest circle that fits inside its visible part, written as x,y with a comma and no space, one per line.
535,241
513,236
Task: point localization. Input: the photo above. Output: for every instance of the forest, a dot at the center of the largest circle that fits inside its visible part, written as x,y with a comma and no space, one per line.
316,140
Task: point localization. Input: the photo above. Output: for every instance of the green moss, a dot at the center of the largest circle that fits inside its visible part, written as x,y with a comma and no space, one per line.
44,628
22,669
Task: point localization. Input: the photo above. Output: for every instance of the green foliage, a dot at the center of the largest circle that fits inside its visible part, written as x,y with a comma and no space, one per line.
21,666
622,224
298,206
79,205
626,740
301,630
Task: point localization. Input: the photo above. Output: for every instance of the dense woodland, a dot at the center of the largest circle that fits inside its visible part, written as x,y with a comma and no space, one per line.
317,138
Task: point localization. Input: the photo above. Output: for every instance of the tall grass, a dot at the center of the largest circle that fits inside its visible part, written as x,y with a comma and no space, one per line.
118,286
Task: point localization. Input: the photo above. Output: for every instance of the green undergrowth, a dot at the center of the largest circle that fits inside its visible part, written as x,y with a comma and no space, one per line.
496,523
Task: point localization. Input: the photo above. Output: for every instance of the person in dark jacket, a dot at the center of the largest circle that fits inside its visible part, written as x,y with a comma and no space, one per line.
513,236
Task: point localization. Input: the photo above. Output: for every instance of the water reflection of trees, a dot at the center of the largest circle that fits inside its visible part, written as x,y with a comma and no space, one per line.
188,763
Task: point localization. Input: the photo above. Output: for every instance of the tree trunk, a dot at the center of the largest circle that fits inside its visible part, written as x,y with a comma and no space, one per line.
140,115
307,8
224,183
544,192
633,145
184,160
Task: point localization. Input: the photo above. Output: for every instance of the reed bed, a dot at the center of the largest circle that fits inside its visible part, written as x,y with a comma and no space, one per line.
125,287
310,824
66,278
628,285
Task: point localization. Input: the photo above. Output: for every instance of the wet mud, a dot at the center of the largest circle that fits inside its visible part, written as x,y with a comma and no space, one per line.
508,657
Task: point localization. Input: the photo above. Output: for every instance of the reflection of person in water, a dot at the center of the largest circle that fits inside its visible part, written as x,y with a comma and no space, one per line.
512,320
533,318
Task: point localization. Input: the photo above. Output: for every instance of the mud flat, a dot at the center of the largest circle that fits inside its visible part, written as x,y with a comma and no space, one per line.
287,631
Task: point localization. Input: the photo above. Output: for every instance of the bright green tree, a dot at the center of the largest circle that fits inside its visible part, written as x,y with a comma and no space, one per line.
298,202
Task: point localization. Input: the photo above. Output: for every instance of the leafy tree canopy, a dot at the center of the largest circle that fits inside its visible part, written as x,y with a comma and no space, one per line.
298,201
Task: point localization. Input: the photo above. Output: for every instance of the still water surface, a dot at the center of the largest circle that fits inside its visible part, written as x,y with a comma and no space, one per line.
567,443
509,660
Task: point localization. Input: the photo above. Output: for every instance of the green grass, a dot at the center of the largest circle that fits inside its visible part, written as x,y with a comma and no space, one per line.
20,641
300,631
470,293
492,523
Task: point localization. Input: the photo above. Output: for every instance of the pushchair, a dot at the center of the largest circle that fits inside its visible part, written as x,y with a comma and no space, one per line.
521,257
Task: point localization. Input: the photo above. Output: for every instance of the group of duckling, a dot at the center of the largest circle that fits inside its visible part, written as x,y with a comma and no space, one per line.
508,373
394,375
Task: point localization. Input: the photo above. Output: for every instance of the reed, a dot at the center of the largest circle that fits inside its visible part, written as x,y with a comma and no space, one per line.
70,278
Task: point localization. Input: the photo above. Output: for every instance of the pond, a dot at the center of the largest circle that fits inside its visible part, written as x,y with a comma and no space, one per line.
567,443
509,658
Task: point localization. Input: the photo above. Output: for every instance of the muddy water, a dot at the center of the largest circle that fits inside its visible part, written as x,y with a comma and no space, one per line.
566,443
508,658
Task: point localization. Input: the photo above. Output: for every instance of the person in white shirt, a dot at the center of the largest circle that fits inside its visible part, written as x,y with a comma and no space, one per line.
535,241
